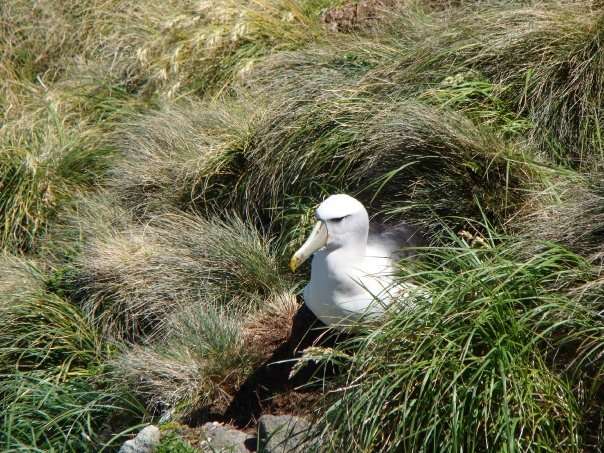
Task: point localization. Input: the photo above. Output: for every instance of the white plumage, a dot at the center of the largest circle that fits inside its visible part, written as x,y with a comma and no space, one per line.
352,270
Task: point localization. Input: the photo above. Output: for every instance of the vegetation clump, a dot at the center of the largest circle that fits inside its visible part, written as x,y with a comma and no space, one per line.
483,349
160,161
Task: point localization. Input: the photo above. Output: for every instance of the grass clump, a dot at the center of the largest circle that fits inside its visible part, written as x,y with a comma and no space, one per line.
203,49
52,391
180,153
160,160
406,155
79,222
199,364
184,291
129,281
42,330
45,161
204,354
547,56
41,414
168,48
480,100
476,368
570,213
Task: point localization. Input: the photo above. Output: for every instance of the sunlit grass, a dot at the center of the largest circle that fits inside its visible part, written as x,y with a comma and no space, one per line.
548,56
160,160
129,281
52,391
479,366
45,161
199,363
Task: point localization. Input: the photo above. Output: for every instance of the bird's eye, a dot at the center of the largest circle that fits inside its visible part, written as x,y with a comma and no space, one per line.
337,219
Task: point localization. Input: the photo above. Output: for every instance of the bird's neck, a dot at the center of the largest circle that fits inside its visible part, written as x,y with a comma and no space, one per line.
351,250
351,244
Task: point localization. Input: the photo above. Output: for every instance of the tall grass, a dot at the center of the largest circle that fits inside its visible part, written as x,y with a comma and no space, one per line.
52,391
129,281
41,414
160,160
479,367
548,54
203,355
170,47
46,158
198,364
180,153
571,212
401,156
42,330
209,46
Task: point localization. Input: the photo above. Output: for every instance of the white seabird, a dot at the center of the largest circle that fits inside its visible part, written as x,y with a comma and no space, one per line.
352,271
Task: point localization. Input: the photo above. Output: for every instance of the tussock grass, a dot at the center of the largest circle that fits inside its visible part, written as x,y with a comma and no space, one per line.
46,158
547,56
55,145
477,368
45,331
46,37
19,276
52,393
203,355
114,294
130,280
42,330
180,153
571,213
199,364
160,160
167,47
563,94
203,49
480,100
406,155
40,414
37,37
85,218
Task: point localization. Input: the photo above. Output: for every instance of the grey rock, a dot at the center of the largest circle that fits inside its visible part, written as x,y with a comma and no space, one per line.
282,433
145,441
222,439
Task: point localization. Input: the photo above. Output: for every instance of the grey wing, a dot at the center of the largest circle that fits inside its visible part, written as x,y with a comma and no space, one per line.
400,239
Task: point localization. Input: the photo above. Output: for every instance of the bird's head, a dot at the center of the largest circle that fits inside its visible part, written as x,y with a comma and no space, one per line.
341,220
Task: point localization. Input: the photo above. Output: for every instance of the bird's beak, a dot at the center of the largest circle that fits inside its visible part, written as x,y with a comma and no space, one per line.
316,240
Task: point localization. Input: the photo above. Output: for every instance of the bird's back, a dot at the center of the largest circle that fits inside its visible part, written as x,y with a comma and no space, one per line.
397,241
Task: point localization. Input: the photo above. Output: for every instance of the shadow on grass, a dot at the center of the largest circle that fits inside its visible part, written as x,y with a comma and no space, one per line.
269,390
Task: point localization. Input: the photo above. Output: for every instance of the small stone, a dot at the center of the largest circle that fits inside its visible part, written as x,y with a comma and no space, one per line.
222,439
145,441
282,433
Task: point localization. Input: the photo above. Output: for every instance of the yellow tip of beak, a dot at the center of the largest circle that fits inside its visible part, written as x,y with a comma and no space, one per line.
293,264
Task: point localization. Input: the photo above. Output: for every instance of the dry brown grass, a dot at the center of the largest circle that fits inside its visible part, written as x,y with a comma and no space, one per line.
270,327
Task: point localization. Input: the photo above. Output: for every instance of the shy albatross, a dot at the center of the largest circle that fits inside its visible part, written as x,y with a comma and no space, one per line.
352,270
